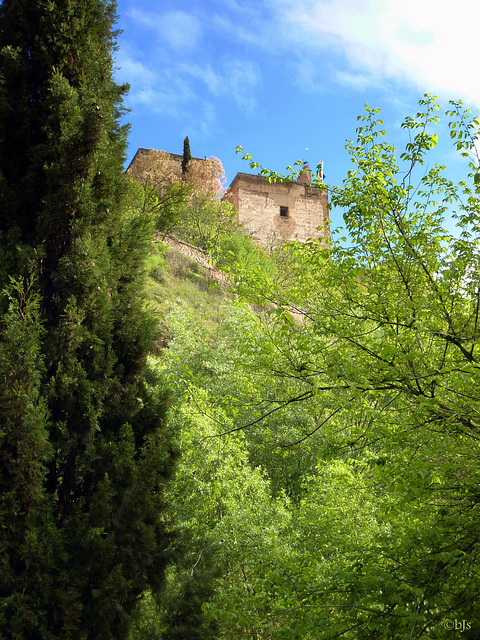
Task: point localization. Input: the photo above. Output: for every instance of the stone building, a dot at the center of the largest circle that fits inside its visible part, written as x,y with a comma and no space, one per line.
160,168
141,158
274,213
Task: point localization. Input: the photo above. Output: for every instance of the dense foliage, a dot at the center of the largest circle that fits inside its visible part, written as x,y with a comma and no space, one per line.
328,422
325,408
187,205
83,449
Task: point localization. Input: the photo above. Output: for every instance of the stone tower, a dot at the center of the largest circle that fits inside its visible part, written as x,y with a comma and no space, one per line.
277,212
272,212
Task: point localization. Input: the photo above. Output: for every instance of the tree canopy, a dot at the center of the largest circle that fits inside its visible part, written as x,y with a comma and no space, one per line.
352,387
84,453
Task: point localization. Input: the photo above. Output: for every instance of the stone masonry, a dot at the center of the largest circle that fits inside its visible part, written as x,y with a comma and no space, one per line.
175,161
274,213
271,212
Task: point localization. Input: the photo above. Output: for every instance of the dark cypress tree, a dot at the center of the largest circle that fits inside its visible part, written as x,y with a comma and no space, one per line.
83,451
187,156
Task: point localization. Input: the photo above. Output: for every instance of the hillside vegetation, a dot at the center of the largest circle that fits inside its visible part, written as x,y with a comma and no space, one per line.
293,454
327,480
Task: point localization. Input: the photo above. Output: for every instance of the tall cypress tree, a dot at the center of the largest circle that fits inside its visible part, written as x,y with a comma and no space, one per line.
83,452
187,156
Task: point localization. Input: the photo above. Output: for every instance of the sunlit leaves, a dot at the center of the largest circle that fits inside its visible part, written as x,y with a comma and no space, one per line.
352,389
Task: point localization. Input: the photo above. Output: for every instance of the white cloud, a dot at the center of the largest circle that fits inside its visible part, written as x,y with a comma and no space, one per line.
130,68
354,80
205,119
424,43
169,71
171,90
206,74
241,79
181,31
158,89
233,78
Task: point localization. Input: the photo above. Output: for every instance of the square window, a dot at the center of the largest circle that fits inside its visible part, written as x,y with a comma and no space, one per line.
284,212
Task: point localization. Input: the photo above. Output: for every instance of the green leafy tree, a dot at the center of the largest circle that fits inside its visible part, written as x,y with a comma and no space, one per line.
352,387
156,191
163,206
83,450
229,530
389,337
205,220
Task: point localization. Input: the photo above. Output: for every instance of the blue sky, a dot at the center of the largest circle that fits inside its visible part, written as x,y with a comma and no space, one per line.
282,76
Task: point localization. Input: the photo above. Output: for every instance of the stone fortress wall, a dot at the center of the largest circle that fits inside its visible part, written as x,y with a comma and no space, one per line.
175,161
275,213
271,212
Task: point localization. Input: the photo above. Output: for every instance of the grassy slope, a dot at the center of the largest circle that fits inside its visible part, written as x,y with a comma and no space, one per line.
173,277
